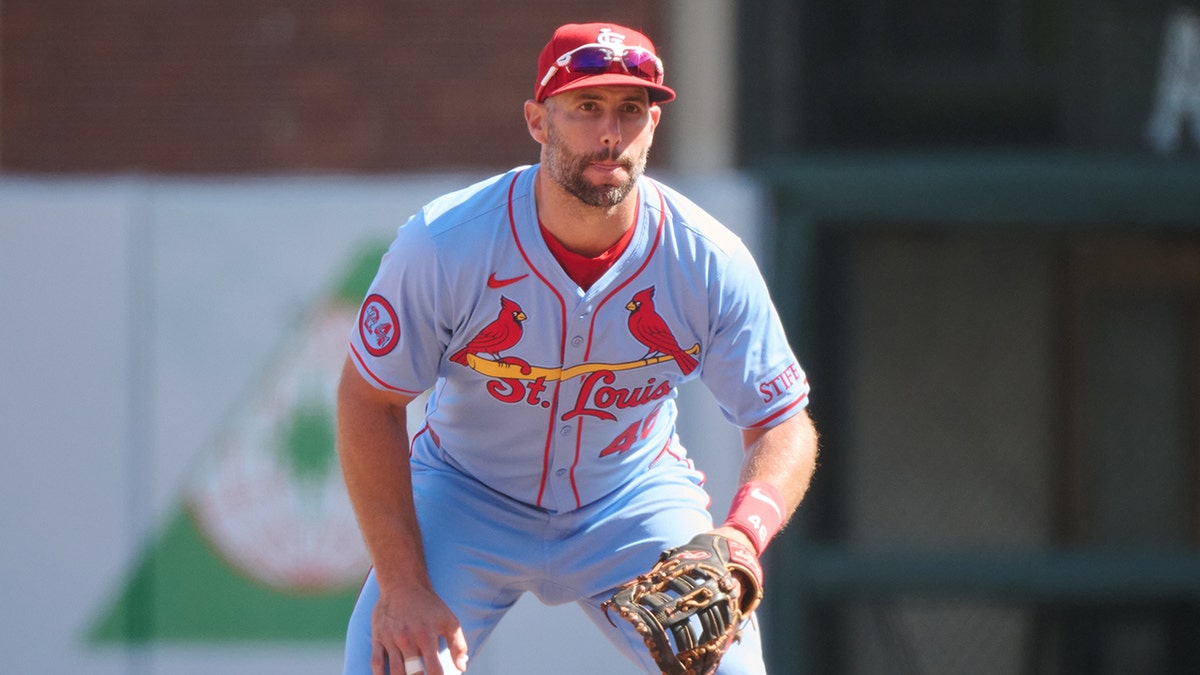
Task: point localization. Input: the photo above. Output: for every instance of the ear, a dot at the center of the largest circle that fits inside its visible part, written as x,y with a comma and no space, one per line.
535,120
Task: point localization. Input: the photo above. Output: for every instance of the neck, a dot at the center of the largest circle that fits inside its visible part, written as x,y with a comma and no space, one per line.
586,230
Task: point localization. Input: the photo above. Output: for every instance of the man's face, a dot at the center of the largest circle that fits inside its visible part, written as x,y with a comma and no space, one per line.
597,142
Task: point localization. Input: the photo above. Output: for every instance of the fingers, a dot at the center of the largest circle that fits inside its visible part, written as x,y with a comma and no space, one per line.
378,658
430,666
457,643
414,665
451,661
406,638
442,664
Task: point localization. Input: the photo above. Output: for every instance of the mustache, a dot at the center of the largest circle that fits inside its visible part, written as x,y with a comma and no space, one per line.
609,155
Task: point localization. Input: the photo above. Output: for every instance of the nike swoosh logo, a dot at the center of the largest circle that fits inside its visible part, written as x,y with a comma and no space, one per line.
493,282
762,497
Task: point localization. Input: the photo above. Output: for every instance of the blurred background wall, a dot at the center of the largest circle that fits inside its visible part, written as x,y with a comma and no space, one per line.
981,221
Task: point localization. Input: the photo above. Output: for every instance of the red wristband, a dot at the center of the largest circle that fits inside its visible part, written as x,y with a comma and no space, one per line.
757,510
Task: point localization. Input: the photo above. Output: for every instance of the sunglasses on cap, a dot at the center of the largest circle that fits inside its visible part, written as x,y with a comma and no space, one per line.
597,59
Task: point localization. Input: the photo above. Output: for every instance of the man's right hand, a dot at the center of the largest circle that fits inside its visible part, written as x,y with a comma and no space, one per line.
408,625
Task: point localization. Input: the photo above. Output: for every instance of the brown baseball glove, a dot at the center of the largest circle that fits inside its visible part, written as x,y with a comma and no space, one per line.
689,607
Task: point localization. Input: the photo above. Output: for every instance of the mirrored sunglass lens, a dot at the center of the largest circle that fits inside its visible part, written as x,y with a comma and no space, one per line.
591,61
641,64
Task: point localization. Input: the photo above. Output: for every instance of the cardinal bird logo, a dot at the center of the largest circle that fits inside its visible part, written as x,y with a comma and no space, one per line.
497,336
652,331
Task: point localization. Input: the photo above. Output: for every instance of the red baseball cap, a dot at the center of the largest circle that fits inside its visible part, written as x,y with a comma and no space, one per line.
596,55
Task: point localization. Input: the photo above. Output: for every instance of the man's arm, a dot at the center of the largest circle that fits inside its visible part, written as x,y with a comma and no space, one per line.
783,456
372,442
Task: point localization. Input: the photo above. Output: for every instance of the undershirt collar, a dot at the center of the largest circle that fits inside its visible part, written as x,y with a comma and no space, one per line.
582,269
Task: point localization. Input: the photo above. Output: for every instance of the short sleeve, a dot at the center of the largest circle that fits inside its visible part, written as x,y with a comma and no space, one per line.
399,338
749,367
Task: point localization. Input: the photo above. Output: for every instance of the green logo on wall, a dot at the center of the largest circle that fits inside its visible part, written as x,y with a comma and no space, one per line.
263,545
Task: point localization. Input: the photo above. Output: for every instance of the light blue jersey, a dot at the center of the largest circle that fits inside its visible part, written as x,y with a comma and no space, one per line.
549,461
549,394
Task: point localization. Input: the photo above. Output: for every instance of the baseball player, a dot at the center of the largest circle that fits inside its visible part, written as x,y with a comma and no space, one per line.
552,312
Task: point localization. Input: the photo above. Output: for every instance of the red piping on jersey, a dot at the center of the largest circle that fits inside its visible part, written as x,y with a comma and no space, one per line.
562,347
666,450
358,357
587,354
662,219
424,428
793,404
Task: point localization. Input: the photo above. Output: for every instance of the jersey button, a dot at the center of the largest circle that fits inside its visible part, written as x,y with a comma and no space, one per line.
563,431
560,473
576,341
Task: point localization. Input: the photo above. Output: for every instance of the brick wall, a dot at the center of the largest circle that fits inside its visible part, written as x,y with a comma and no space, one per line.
178,86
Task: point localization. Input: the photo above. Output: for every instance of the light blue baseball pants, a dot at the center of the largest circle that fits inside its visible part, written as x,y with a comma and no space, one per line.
484,550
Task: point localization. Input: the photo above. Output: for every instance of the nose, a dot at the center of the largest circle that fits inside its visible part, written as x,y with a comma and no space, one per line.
610,132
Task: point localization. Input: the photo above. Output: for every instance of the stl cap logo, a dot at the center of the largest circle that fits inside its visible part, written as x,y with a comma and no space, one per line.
608,37
378,326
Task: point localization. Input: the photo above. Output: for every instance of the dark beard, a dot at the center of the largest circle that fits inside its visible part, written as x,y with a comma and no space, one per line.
569,175
601,196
